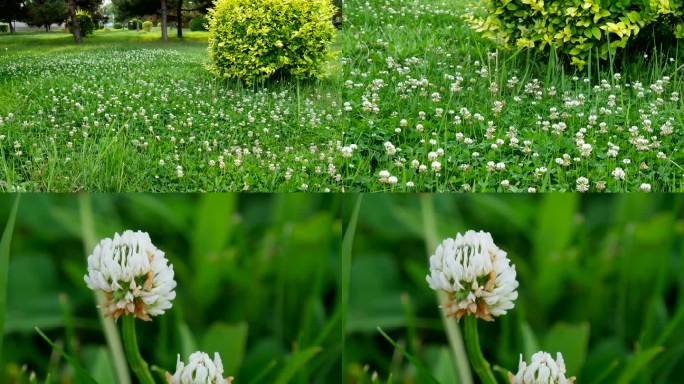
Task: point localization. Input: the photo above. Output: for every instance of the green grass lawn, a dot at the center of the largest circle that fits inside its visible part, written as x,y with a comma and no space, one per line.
415,101
127,112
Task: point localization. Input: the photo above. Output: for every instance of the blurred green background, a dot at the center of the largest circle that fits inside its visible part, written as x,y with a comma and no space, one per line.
601,280
257,278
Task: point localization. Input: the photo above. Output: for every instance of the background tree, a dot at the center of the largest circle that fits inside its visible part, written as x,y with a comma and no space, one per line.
75,23
11,10
44,13
191,6
126,9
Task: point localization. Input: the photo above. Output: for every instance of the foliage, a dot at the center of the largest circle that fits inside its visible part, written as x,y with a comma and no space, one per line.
125,9
4,28
254,40
85,21
199,24
576,28
147,26
11,10
44,13
600,281
117,25
256,282
134,24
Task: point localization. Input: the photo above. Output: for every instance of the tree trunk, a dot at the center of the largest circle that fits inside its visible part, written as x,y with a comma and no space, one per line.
75,24
179,18
165,34
12,27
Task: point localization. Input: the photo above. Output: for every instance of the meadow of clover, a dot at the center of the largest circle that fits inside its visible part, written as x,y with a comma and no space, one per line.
435,95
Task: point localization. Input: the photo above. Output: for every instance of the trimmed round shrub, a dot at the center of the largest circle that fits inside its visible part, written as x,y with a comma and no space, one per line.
147,26
198,24
253,40
85,23
4,28
573,28
134,24
118,26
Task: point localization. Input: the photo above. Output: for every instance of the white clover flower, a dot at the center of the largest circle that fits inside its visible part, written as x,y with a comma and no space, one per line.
582,184
542,370
645,187
134,275
618,173
476,274
199,370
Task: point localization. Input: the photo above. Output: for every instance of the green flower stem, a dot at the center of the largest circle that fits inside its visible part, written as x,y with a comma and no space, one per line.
138,365
477,360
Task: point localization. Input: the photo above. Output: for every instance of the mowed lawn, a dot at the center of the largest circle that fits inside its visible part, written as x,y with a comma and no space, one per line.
125,111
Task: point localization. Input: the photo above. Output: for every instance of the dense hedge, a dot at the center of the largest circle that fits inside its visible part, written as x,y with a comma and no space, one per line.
85,23
576,28
254,39
199,24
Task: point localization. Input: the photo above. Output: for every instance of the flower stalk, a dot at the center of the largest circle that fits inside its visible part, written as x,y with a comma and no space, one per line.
135,359
477,360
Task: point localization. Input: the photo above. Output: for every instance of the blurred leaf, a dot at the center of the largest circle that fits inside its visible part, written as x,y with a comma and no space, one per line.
554,229
530,343
374,297
213,224
443,368
572,341
33,284
294,363
229,340
5,243
102,368
636,363
346,268
187,340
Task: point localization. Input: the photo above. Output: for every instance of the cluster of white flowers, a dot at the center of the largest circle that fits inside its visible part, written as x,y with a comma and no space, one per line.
200,369
476,274
134,275
543,369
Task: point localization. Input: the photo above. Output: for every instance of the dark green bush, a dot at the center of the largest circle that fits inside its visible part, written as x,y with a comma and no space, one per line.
85,21
4,28
118,26
134,24
199,24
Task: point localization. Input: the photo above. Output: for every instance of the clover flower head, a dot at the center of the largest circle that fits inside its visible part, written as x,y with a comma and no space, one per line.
543,369
134,275
199,370
476,274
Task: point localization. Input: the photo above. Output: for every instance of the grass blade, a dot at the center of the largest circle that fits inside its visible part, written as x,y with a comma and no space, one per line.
108,326
345,277
83,375
453,332
422,369
4,266
298,360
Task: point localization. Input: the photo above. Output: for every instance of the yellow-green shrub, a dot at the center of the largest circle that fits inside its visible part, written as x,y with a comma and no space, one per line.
572,27
255,39
147,26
